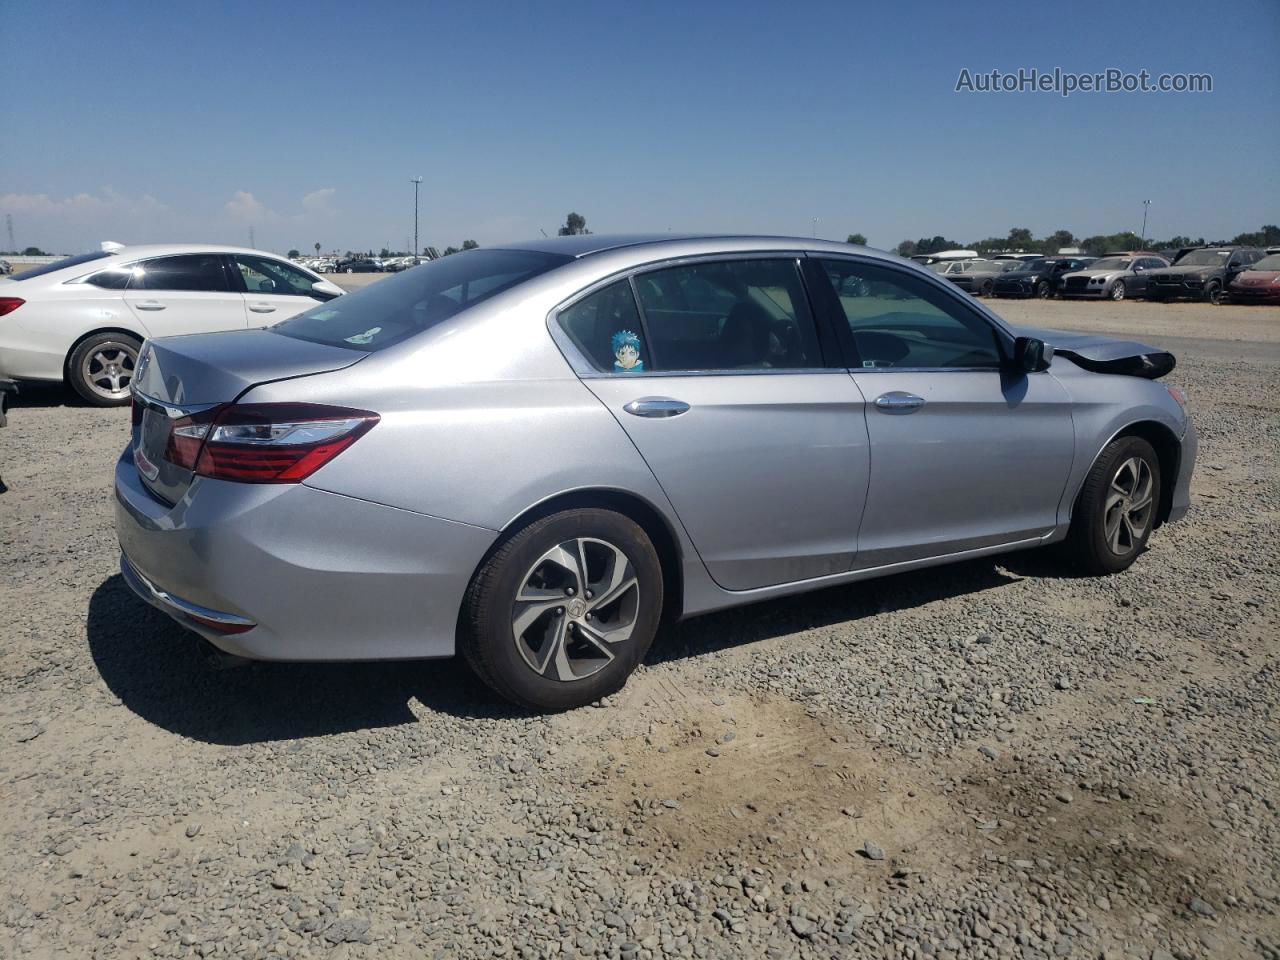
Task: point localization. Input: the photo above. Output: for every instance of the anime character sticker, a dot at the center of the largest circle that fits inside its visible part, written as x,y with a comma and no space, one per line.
626,352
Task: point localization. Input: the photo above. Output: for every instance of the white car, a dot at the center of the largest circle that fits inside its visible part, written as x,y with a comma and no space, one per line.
83,319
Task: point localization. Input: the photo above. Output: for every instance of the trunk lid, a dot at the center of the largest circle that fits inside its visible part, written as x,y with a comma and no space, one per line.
180,377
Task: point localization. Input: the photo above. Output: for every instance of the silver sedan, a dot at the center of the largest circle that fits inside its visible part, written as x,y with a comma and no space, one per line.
537,455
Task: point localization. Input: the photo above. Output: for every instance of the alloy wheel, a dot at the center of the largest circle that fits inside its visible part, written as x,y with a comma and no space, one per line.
1117,292
108,369
1129,506
575,605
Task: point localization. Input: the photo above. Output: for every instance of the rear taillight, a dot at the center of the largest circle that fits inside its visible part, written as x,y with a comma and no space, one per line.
10,304
264,442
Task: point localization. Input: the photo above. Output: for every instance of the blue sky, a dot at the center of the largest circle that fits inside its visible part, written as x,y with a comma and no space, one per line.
196,121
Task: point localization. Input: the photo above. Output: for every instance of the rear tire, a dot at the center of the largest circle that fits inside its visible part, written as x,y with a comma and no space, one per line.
1116,509
100,368
548,635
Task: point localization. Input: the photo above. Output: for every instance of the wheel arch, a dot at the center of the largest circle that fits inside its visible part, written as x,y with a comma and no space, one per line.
636,508
1168,448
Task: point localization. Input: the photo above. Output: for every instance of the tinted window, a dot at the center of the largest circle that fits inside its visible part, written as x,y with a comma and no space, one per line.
1268,263
198,271
899,320
606,327
416,300
732,315
60,265
112,278
264,275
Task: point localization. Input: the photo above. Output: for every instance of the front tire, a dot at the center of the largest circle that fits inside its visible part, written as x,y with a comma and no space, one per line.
563,612
1116,509
1213,292
1117,291
1043,290
100,369
985,289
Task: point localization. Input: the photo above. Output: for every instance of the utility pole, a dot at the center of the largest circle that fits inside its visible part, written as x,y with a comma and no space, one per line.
1143,238
251,243
815,228
416,181
8,222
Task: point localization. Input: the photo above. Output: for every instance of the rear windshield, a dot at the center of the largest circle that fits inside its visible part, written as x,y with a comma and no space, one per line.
391,310
60,265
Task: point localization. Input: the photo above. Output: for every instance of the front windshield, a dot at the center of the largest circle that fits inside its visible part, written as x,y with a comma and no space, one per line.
1204,258
386,312
1023,265
1268,263
61,265
1110,263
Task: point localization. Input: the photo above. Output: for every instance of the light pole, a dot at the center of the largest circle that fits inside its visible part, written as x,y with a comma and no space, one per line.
416,181
815,228
1143,239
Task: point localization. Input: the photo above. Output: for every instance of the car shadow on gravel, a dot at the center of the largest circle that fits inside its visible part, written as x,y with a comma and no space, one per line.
34,393
824,608
167,675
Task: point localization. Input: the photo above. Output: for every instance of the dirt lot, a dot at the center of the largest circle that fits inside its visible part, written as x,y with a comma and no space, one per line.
988,760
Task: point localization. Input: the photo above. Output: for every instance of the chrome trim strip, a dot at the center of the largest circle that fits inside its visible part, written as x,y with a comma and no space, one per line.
169,603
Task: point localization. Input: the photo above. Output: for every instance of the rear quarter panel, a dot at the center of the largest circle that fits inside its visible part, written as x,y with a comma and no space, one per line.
36,338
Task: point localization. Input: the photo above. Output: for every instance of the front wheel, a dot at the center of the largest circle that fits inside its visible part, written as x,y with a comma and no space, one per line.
1116,509
562,613
1117,290
1043,290
985,289
101,368
1213,292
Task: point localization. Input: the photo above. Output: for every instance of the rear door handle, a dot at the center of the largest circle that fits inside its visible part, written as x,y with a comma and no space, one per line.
149,305
656,407
898,401
262,308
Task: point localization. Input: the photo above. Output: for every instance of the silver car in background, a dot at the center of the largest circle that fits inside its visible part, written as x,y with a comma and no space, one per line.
537,455
1115,277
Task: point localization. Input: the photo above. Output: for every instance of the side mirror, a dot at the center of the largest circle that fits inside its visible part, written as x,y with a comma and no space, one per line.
1031,355
319,292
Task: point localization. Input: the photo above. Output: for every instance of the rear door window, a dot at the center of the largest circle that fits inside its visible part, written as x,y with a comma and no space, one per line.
728,315
200,272
605,326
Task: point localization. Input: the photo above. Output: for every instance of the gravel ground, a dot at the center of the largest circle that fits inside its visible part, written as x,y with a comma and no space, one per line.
987,760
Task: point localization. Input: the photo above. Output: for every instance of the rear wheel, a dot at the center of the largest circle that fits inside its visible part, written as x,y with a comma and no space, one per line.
1116,509
101,368
564,610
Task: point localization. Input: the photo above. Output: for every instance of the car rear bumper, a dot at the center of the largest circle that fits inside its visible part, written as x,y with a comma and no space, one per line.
24,363
1186,466
313,575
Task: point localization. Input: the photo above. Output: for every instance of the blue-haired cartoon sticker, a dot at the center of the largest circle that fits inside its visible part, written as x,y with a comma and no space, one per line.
626,352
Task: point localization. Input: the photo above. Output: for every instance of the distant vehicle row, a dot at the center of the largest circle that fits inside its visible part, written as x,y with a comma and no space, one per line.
360,264
1209,274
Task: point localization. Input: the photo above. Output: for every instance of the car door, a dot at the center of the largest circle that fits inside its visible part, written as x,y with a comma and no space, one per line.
719,381
965,452
187,293
273,289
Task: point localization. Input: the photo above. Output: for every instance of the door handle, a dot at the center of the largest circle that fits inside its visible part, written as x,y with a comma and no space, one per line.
656,407
899,401
261,308
149,305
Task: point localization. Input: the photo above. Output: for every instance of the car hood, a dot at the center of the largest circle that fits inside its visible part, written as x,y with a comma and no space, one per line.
1104,354
1021,274
1094,273
1252,278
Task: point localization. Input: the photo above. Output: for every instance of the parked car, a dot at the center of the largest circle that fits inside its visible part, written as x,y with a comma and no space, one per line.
1259,284
83,319
1114,277
6,268
978,276
691,430
1038,278
1201,274
357,265
944,256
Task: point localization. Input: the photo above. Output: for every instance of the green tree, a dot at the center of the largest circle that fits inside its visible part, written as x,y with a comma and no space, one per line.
1059,239
34,252
574,224
907,248
450,251
857,239
317,249
469,245
1020,237
294,254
